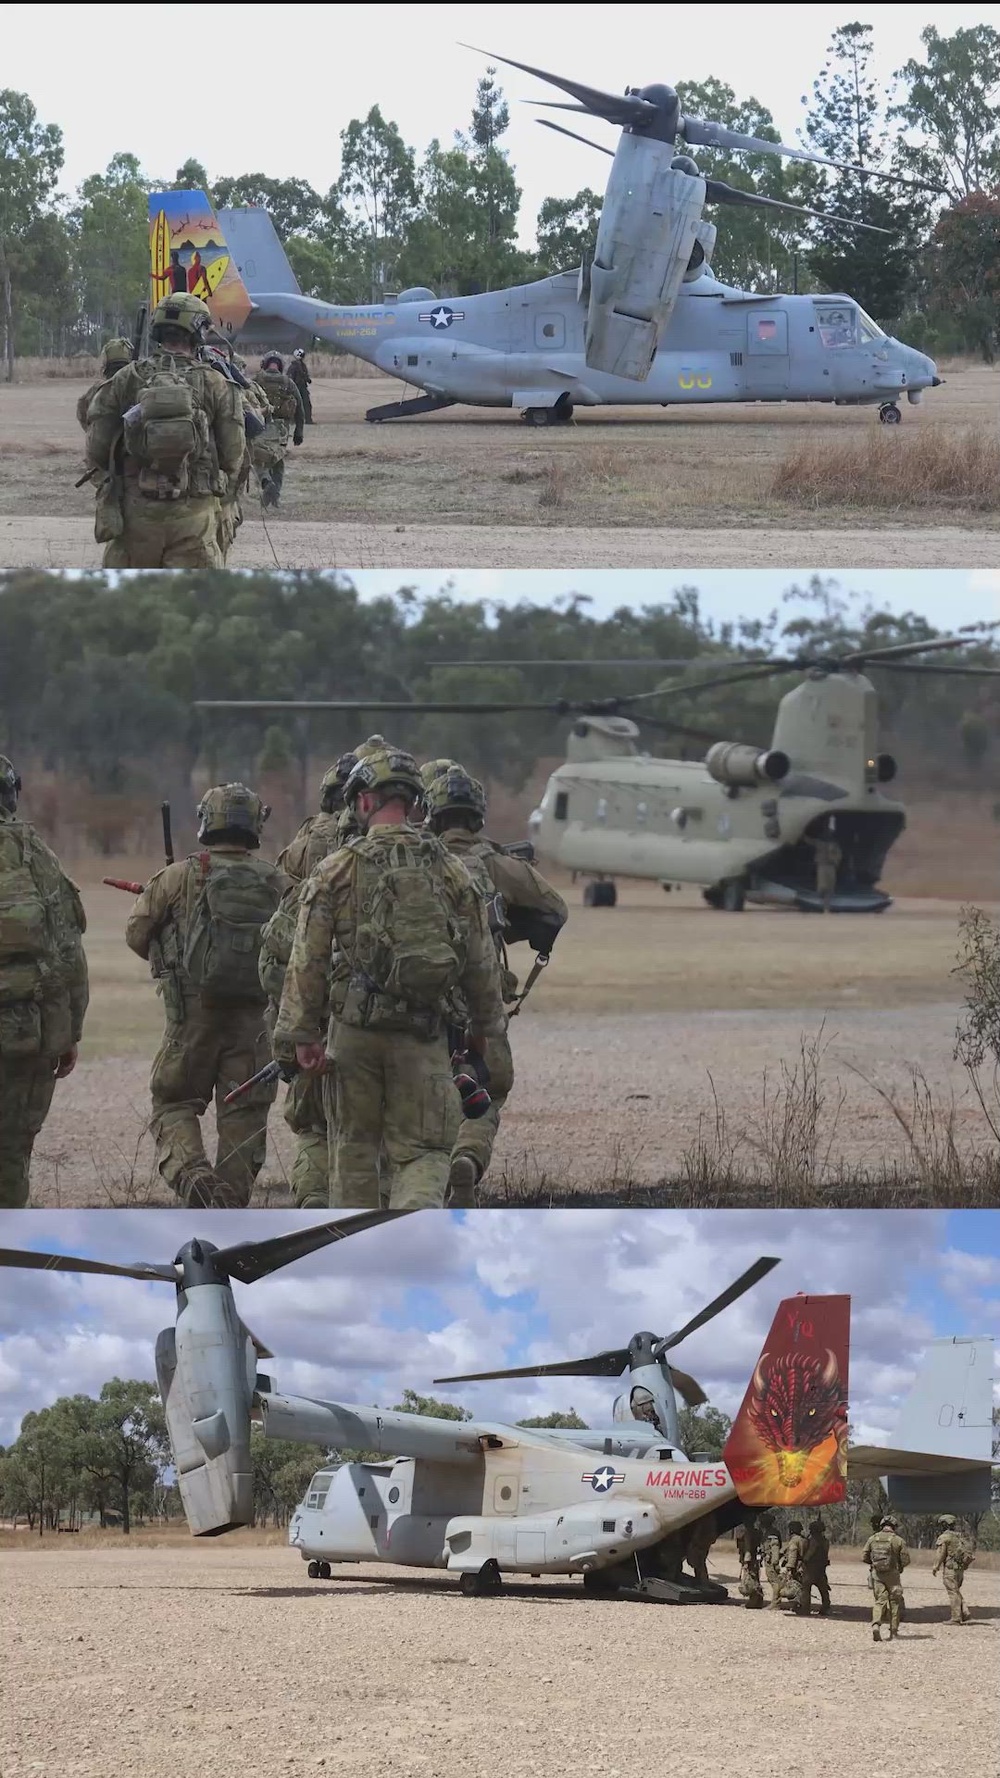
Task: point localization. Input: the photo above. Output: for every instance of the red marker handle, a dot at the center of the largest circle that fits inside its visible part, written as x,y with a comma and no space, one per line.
123,883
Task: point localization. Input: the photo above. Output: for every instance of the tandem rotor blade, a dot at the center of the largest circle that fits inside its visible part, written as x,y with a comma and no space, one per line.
623,109
604,1364
746,1281
717,192
691,1392
249,1261
67,1262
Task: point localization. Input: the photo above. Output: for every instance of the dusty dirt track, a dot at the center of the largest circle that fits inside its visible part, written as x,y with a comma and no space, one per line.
472,488
649,1014
168,1663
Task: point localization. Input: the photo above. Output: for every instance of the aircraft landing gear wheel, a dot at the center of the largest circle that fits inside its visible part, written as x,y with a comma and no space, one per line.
537,416
733,896
313,1571
889,414
600,895
324,1571
713,896
486,1584
601,1584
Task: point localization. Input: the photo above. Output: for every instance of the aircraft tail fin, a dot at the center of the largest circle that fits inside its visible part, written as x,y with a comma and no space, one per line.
257,251
788,1444
940,1456
188,251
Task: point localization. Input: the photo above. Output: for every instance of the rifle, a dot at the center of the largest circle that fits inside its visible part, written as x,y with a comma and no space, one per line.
168,843
139,331
263,1077
522,849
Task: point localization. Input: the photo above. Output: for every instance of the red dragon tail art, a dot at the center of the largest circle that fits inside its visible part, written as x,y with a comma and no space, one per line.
788,1444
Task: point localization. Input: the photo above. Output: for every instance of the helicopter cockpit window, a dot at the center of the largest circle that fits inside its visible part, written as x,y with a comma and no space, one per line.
319,1487
602,808
561,809
837,325
870,331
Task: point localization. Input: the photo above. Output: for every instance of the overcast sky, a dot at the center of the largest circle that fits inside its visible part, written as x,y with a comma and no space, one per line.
948,598
310,69
436,1294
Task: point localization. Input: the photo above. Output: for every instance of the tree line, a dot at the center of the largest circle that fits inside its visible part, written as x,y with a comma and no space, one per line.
74,268
100,675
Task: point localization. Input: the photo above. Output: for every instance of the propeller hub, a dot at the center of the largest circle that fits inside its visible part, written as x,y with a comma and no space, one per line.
641,1349
196,1262
664,126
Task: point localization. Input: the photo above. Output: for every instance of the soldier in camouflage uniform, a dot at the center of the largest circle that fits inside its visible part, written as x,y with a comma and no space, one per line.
954,1557
115,354
698,1540
303,1109
771,1552
748,1548
815,1562
43,986
522,906
792,1552
198,923
166,437
298,371
405,930
886,1555
287,411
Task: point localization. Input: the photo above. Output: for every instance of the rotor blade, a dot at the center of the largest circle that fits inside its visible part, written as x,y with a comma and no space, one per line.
249,1261
561,130
605,665
67,1262
937,667
617,108
701,132
762,670
746,1281
605,1364
717,192
398,709
691,1393
899,650
259,1347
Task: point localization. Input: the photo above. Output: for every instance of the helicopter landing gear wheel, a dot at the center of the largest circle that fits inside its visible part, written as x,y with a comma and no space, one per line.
486,1584
536,416
324,1571
313,1571
599,1583
713,896
600,895
733,896
889,414
560,415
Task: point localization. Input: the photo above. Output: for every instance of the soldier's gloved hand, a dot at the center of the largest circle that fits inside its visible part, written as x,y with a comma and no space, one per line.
297,438
311,1057
67,1061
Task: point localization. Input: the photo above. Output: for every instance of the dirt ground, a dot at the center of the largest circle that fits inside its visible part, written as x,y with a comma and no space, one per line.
472,488
650,1016
167,1663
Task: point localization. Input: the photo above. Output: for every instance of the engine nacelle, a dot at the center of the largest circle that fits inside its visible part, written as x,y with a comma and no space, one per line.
572,1541
732,762
205,1369
647,235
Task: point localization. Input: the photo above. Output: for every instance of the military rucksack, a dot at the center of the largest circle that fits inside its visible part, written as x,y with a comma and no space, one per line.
409,951
276,940
883,1552
27,943
280,397
166,430
230,901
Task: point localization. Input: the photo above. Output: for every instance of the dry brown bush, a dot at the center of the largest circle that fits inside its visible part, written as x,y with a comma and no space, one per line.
888,469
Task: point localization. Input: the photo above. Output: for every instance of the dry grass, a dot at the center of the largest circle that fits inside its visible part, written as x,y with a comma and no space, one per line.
886,468
170,1535
323,366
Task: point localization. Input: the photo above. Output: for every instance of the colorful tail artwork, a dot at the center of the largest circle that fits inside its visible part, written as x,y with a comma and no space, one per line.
788,1444
188,252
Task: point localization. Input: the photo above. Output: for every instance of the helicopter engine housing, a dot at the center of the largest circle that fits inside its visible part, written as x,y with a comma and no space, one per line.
647,236
205,1369
732,762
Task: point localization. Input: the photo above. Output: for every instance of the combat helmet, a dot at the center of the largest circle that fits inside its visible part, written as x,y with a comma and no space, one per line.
228,808
947,1520
331,790
114,354
434,768
889,1523
453,792
184,311
388,772
272,361
10,785
299,352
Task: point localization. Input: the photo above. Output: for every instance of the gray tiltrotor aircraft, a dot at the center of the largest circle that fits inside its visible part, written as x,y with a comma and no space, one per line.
479,1498
644,321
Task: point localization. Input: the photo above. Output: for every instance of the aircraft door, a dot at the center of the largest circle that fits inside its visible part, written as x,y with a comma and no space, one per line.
767,352
550,332
505,1494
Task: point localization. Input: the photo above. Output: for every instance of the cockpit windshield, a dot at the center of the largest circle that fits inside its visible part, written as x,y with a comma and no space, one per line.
842,323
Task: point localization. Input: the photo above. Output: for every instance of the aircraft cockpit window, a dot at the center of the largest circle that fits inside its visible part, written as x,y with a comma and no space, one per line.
871,332
561,809
837,325
319,1487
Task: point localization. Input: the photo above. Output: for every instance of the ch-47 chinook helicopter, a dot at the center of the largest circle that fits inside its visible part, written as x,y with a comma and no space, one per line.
644,322
480,1498
745,823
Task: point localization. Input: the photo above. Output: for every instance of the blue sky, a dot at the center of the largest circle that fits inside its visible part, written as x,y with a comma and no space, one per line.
948,598
437,1294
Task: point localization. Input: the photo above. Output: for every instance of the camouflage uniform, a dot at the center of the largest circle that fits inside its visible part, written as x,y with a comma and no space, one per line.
749,1586
391,1088
43,987
887,1583
115,354
208,1047
953,1557
255,404
792,1588
815,1562
286,411
140,520
772,1566
528,908
298,371
699,1540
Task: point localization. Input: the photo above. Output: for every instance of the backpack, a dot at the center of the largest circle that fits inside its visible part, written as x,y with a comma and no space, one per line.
230,901
883,1554
409,950
166,430
276,940
27,946
282,399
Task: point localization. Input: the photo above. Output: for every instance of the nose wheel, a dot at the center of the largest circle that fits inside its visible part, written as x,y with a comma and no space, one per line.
890,414
486,1584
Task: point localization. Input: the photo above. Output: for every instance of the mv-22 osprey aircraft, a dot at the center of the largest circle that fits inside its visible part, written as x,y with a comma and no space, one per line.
480,1498
645,322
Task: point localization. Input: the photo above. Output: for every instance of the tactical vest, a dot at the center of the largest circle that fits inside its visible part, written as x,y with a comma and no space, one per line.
408,951
167,434
281,397
883,1553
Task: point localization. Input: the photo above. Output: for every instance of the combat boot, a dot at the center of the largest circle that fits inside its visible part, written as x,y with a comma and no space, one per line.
463,1177
313,1201
200,1188
876,1633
